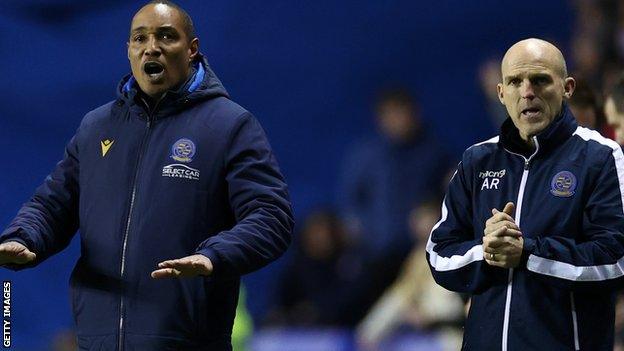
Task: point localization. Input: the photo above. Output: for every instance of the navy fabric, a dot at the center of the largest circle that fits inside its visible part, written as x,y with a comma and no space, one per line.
381,182
563,293
226,200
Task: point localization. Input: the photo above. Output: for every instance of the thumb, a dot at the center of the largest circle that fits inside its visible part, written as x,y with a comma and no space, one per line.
509,208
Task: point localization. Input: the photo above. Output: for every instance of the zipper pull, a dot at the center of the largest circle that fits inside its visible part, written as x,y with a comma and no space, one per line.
526,164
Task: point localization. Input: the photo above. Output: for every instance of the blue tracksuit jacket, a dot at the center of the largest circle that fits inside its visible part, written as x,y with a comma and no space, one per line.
195,175
569,195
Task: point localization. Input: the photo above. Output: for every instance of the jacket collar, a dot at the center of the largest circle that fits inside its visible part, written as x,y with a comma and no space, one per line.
202,84
557,132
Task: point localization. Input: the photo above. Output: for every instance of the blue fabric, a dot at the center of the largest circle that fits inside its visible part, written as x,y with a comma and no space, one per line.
198,78
582,226
381,182
221,195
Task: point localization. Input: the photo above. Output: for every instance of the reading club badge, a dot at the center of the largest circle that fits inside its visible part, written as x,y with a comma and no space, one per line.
183,150
563,184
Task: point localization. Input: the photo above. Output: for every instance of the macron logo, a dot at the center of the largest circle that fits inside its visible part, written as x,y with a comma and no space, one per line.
491,179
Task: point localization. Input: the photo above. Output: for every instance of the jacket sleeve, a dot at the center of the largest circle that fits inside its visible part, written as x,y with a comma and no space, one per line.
596,258
454,255
47,222
259,198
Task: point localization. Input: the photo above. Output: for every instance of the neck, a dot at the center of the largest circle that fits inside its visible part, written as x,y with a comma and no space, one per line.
528,140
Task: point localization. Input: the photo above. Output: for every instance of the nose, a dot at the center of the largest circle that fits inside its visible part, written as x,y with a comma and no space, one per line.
526,90
152,47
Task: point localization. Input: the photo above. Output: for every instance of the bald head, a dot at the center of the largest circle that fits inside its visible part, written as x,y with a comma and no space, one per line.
535,84
536,50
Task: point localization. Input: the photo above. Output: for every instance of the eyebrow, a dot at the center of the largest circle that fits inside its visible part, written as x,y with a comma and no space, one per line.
531,76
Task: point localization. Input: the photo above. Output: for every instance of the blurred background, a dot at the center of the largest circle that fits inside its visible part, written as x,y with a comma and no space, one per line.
368,105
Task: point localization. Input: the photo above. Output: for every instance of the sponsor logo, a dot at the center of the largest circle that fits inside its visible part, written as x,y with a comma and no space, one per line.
183,150
106,145
491,179
492,174
180,171
563,184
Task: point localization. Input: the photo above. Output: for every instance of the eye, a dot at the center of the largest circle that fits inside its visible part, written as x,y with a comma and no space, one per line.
541,80
514,81
168,37
138,38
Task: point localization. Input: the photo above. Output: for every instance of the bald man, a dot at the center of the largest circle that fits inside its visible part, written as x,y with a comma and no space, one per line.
532,224
176,193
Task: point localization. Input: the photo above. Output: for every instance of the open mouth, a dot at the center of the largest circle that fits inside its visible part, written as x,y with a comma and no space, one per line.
153,69
531,112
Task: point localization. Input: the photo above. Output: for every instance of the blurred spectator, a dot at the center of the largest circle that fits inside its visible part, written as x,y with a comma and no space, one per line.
414,300
317,286
382,179
489,77
585,107
619,324
614,110
64,340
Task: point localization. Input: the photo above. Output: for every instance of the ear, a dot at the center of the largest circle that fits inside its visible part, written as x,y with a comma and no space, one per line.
193,49
128,50
569,84
499,89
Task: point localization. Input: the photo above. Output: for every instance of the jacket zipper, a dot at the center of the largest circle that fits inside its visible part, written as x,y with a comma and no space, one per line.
525,175
142,149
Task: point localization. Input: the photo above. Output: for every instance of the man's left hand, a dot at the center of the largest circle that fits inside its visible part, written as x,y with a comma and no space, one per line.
189,266
502,249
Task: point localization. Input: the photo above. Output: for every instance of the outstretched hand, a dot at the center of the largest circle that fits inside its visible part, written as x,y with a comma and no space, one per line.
189,266
13,252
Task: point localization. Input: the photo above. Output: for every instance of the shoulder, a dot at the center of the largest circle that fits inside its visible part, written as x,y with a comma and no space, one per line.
222,112
594,142
480,150
98,114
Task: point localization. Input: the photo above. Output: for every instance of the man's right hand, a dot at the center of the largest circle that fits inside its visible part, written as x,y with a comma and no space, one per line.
502,219
13,252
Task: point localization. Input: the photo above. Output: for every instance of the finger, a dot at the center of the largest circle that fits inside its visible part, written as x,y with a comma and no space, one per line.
179,264
25,257
506,232
170,263
514,233
509,208
494,263
489,229
165,273
495,211
498,217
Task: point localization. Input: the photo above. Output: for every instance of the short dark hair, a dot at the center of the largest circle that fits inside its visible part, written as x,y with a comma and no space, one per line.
617,94
187,22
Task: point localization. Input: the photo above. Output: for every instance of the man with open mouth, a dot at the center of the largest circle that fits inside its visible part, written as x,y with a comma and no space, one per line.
532,223
176,192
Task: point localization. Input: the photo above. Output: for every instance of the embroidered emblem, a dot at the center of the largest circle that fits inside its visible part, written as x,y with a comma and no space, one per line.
563,184
106,145
183,150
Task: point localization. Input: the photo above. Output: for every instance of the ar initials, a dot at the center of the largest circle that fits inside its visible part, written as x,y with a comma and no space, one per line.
492,184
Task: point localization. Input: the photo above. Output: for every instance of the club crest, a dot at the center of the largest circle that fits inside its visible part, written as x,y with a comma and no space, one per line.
563,184
183,150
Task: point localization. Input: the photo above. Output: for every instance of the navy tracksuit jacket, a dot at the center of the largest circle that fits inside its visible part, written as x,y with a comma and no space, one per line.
195,175
569,195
